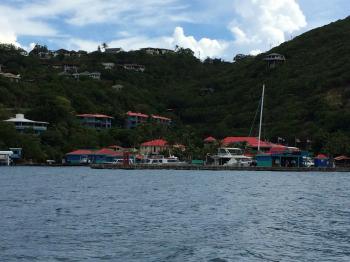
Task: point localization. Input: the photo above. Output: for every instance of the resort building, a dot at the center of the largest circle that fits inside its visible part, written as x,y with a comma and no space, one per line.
134,119
97,121
5,157
83,156
22,124
154,147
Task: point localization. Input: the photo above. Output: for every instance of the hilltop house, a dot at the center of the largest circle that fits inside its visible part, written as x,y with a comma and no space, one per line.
22,124
113,50
157,51
97,121
274,59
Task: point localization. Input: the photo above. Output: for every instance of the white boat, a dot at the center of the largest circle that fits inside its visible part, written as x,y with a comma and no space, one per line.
161,160
230,156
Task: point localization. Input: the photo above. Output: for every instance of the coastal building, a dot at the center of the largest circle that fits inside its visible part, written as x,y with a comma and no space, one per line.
322,160
113,50
83,156
283,159
134,119
157,51
5,157
70,68
274,59
118,87
249,142
154,147
22,124
97,121
160,120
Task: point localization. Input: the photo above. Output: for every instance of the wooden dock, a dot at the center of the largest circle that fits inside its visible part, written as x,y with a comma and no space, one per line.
215,168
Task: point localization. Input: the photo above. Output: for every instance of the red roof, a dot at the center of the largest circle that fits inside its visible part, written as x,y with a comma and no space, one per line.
321,156
339,158
108,152
251,141
210,139
80,152
157,142
95,115
129,113
161,117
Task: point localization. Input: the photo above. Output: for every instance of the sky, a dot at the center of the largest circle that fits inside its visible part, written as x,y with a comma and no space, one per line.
211,28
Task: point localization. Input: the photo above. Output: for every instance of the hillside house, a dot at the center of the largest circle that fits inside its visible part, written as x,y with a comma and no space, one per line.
93,75
134,119
134,67
97,121
117,87
108,66
161,120
22,124
274,59
113,50
157,51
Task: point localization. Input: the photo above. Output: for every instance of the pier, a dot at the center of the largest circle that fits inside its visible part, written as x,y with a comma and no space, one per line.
218,168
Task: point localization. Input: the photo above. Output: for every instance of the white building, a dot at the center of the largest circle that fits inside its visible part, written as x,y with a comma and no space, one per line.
113,50
5,157
156,51
22,124
108,66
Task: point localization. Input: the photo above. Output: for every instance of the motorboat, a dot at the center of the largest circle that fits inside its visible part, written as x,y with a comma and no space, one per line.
161,160
230,156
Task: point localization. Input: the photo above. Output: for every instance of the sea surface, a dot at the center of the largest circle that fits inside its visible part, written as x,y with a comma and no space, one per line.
80,214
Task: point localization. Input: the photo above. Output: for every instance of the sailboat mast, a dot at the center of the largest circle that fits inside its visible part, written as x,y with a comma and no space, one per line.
261,115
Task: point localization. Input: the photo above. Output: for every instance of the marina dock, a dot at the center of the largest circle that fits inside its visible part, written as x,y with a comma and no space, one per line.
218,168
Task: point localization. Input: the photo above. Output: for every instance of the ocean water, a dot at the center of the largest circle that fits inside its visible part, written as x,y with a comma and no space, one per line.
80,214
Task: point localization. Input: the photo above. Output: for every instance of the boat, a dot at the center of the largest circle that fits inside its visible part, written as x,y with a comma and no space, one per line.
161,160
230,156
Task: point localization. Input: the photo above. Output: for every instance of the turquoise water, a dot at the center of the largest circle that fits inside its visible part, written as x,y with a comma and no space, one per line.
80,214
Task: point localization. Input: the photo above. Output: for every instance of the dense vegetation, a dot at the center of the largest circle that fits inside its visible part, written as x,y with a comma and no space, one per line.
307,97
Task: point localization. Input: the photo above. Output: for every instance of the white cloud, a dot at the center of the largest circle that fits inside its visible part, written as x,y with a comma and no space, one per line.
266,22
202,48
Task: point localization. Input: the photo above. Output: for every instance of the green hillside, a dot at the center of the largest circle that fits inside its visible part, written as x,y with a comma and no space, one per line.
307,97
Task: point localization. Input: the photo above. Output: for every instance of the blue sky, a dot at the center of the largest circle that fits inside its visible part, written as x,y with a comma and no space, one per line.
220,28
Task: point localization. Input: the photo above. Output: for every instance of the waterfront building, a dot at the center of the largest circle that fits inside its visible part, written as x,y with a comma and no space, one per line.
5,157
154,147
322,160
250,142
134,119
22,124
97,121
84,156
